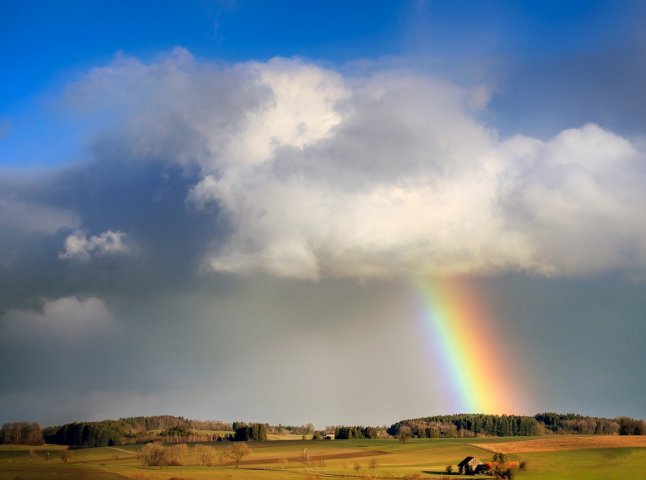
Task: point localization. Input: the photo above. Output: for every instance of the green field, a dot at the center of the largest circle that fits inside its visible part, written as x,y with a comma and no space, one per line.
328,459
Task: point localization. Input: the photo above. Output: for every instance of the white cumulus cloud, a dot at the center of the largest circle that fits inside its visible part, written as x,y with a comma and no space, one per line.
319,173
78,246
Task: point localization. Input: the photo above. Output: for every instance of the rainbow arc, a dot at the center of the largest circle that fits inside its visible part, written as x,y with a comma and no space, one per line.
468,355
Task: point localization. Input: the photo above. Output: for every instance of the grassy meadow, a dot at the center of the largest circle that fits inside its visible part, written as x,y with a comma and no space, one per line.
278,460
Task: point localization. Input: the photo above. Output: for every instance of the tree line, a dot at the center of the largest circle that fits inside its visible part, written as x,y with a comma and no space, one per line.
21,433
87,434
164,422
355,432
447,426
631,426
133,430
569,423
171,429
468,425
107,433
244,432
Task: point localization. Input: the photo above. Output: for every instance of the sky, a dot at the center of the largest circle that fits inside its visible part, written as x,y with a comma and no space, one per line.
327,212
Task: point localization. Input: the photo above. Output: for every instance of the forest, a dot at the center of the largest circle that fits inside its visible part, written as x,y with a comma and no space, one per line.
471,425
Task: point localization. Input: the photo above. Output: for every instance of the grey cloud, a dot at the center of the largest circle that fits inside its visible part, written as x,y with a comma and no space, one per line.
33,217
146,200
61,319
175,109
243,351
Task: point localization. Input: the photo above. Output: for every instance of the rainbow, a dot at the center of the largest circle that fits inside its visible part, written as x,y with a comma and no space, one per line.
466,352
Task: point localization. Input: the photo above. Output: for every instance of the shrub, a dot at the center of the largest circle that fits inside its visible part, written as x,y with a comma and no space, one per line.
206,456
153,455
178,455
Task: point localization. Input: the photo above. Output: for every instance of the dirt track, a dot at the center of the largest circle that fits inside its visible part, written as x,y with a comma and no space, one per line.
564,442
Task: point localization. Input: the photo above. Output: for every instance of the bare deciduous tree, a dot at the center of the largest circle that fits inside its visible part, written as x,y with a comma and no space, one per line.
66,455
372,465
305,458
236,452
25,433
404,434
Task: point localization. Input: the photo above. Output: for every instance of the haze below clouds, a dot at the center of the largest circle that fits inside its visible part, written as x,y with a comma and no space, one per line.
238,240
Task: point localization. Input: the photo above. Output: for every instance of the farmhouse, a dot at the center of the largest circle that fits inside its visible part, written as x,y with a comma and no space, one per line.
470,466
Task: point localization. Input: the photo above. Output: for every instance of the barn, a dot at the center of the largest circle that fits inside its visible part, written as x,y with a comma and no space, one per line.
469,466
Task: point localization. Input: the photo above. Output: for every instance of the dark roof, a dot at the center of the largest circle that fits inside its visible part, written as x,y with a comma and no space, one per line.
467,461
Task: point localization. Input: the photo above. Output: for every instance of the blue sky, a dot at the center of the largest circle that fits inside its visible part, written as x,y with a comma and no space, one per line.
190,177
41,41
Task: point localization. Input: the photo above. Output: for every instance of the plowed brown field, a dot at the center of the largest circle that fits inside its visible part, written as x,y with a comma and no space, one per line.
564,442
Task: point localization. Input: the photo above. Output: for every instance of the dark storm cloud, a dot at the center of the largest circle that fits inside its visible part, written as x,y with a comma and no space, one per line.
146,201
41,294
